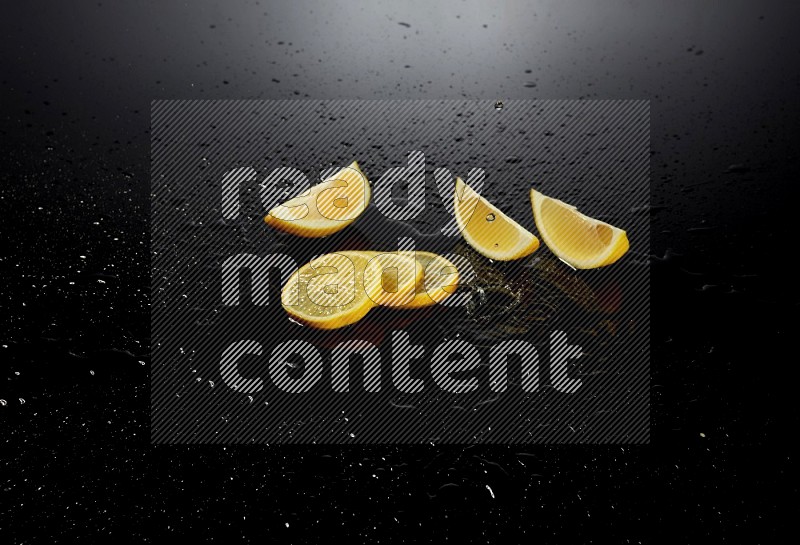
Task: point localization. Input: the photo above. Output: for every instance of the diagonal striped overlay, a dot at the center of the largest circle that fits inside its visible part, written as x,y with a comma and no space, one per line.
232,368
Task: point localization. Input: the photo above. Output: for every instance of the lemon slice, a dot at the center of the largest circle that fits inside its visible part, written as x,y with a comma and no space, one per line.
439,280
390,278
581,241
487,229
326,208
336,290
328,292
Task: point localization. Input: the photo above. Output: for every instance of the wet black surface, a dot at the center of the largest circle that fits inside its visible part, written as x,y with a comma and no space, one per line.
599,162
76,83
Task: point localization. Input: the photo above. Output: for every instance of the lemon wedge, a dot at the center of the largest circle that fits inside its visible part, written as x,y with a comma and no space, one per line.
577,239
487,229
326,208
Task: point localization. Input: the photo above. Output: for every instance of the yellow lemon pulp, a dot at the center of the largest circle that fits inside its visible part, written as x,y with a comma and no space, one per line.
390,278
326,208
439,280
487,229
581,241
338,289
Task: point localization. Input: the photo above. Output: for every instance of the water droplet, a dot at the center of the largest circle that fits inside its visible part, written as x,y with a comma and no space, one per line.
91,372
737,168
490,217
21,401
211,383
3,402
498,105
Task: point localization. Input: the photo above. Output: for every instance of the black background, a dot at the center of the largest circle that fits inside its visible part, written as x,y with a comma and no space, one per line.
593,153
77,79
